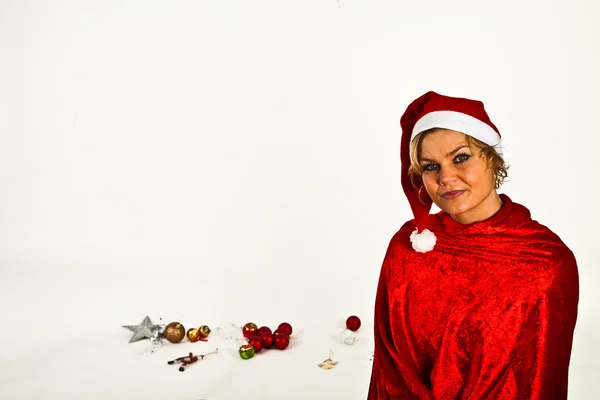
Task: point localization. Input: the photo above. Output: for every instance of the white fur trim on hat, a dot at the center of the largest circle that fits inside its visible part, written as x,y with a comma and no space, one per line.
424,241
459,122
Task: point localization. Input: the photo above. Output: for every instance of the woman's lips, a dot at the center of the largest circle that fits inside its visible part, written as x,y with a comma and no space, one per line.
452,194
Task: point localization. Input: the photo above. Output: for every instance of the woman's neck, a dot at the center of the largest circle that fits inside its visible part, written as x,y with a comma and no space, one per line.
482,211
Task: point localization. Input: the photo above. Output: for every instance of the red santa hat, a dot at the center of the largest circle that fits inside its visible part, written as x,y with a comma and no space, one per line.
433,110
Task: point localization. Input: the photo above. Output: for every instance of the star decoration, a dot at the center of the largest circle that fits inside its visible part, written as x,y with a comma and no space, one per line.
145,330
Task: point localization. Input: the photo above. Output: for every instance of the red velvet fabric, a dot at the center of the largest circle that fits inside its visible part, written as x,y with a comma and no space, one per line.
489,313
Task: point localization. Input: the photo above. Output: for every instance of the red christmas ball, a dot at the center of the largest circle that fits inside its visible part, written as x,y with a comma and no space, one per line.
264,329
256,342
281,340
267,340
286,328
353,323
249,330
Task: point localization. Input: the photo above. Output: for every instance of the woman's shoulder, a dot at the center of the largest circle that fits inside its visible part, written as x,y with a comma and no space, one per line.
537,232
535,240
545,239
519,230
400,241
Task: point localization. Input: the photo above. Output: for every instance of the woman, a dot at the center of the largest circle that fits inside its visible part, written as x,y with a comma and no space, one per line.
478,301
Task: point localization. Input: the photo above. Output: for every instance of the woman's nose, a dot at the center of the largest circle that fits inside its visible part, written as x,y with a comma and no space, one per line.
446,175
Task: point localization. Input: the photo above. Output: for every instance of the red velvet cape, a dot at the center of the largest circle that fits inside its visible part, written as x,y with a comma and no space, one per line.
489,313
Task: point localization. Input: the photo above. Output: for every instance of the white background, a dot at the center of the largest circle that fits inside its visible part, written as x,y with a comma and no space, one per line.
234,161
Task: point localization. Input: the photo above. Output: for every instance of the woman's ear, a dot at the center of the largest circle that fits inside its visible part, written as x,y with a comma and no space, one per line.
490,164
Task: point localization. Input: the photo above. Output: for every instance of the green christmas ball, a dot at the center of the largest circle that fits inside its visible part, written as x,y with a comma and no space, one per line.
246,351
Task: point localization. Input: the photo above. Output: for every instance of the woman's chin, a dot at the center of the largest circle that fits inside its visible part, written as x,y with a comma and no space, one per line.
454,207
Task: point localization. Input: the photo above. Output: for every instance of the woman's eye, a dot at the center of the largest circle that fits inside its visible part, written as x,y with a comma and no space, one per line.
462,158
430,167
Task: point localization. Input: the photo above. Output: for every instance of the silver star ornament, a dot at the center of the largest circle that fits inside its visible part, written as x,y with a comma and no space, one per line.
145,330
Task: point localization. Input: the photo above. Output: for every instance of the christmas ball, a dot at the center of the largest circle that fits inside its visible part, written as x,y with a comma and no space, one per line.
193,335
249,330
267,340
281,341
246,351
353,323
264,329
348,337
286,328
204,331
174,332
256,342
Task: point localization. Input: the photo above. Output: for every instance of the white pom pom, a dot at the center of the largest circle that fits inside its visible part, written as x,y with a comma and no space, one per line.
424,241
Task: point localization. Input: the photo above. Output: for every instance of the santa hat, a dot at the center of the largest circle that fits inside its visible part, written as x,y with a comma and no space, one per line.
433,110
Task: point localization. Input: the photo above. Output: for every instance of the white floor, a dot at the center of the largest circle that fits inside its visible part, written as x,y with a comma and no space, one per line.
106,366
61,338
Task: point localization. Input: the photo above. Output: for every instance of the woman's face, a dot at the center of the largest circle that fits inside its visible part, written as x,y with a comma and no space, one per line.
456,178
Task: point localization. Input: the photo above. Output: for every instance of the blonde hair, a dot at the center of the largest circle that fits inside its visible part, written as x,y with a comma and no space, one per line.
487,152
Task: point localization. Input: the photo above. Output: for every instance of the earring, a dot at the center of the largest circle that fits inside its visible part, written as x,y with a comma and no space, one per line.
419,197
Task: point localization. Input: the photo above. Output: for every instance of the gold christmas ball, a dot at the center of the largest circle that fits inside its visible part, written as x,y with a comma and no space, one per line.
204,331
174,332
193,334
249,330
